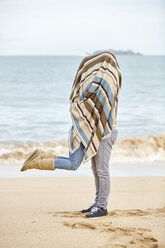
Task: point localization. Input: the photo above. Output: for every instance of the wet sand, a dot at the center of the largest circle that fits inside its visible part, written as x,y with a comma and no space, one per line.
45,212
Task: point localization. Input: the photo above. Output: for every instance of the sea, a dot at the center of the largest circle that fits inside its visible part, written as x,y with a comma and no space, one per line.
34,107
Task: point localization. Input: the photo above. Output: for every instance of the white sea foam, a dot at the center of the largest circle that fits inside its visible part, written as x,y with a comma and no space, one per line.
150,148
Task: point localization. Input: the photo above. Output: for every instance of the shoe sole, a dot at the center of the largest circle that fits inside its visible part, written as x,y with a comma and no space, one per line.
85,211
95,216
32,155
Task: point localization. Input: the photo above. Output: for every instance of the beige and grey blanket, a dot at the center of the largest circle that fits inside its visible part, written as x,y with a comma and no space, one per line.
93,102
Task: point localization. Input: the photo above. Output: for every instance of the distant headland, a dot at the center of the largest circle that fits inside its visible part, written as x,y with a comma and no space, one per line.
116,52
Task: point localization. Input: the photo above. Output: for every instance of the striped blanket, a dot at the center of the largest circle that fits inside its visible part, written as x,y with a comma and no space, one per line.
93,102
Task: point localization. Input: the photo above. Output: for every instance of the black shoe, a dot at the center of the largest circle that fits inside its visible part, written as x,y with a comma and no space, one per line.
89,208
97,212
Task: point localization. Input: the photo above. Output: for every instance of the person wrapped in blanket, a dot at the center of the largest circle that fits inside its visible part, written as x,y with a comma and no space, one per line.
93,109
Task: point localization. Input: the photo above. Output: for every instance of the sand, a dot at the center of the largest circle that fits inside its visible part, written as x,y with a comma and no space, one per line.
45,212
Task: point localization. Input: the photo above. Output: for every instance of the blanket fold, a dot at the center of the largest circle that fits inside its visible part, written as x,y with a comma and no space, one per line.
93,102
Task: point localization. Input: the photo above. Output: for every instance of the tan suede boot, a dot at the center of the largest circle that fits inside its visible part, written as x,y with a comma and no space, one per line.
32,155
44,155
38,163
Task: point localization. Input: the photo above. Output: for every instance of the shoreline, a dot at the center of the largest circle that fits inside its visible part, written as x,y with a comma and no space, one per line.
145,169
45,212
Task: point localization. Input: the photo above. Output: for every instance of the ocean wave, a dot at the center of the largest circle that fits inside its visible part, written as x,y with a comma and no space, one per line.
126,150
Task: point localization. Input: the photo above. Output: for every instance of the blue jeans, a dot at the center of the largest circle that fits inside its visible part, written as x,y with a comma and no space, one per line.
71,163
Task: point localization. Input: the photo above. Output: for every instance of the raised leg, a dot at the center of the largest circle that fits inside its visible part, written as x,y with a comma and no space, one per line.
71,163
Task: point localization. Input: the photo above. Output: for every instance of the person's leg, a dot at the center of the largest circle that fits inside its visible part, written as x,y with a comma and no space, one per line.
96,178
71,163
49,161
102,159
94,204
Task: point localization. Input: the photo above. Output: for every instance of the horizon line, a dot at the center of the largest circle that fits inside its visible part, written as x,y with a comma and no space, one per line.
5,55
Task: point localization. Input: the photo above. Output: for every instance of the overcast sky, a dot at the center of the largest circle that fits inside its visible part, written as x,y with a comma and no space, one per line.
75,27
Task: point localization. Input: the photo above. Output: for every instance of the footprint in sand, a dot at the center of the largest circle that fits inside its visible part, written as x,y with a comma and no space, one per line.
130,236
80,225
75,214
118,236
